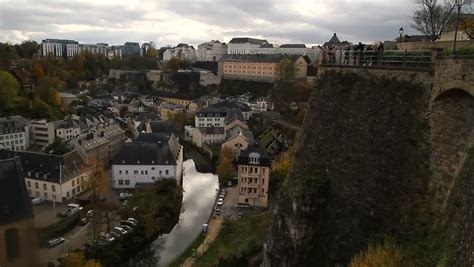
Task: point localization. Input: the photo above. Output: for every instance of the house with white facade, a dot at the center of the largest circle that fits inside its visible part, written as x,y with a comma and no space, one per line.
14,133
149,158
52,177
210,117
42,132
244,45
211,51
182,52
67,129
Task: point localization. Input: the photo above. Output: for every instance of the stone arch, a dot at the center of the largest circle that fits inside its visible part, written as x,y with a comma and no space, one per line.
452,135
468,87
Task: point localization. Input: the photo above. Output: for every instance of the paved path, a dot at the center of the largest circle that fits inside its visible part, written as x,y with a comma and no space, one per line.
215,226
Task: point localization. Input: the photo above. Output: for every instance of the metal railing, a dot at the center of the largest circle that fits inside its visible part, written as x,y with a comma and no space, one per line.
390,58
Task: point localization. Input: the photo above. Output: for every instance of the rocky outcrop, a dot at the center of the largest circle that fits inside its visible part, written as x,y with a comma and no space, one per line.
362,171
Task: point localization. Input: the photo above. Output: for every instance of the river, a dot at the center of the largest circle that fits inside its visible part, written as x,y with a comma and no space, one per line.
200,191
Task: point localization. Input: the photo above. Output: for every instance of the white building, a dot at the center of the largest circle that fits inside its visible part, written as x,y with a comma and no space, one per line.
52,177
210,117
67,130
211,51
57,47
244,45
14,133
182,52
72,50
288,49
150,158
42,132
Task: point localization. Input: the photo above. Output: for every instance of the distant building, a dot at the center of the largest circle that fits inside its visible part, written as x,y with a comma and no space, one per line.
52,177
334,42
211,51
14,133
259,67
181,51
131,49
59,48
150,158
244,45
67,129
253,167
312,53
210,117
17,230
237,139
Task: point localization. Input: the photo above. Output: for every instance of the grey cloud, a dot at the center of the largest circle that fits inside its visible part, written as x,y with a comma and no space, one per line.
354,21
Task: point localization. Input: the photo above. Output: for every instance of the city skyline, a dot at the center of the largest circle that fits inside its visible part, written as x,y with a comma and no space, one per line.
194,22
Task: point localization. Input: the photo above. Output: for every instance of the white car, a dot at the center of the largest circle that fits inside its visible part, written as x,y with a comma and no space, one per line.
120,230
220,203
37,201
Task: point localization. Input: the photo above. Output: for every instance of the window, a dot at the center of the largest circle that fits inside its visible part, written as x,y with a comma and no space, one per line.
160,172
120,172
120,182
73,183
135,172
167,172
263,181
67,194
13,244
45,195
127,182
126,172
37,193
28,183
36,185
29,192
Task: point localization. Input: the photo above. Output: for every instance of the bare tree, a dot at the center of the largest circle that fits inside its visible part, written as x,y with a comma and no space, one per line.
432,16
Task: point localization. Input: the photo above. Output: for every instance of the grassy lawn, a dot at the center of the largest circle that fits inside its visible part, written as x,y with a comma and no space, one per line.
237,240
189,251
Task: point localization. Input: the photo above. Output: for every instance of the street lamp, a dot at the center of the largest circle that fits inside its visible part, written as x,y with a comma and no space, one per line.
458,4
401,33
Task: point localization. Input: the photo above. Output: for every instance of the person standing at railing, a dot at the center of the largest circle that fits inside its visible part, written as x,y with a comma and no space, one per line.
380,49
347,52
358,54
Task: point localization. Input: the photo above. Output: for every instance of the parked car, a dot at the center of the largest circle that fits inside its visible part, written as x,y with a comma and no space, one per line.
124,196
220,203
133,220
218,210
106,237
129,223
90,213
56,241
73,206
127,228
83,221
115,234
62,214
120,230
229,183
124,203
223,191
37,201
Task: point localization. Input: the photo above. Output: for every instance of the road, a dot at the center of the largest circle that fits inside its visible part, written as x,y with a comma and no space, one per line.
288,125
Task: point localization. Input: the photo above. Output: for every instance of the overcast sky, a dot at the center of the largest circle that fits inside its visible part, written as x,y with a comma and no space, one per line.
197,21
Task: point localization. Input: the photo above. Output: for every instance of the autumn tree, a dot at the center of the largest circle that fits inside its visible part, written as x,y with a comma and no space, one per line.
225,169
173,65
97,181
432,17
152,53
8,92
77,259
78,62
37,70
387,254
27,49
48,89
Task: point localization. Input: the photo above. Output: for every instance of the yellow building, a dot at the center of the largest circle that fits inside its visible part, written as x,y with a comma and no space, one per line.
18,244
254,176
259,67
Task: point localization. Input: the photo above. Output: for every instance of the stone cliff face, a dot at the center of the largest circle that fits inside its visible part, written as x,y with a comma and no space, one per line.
362,170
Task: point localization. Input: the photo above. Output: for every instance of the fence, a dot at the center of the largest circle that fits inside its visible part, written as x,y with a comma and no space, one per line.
390,58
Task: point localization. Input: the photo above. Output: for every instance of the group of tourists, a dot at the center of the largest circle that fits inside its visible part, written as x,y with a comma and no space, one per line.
359,54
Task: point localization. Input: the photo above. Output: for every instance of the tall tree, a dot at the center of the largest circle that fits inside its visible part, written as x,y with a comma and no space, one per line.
432,17
37,71
8,92
225,169
97,181
173,64
467,25
286,70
